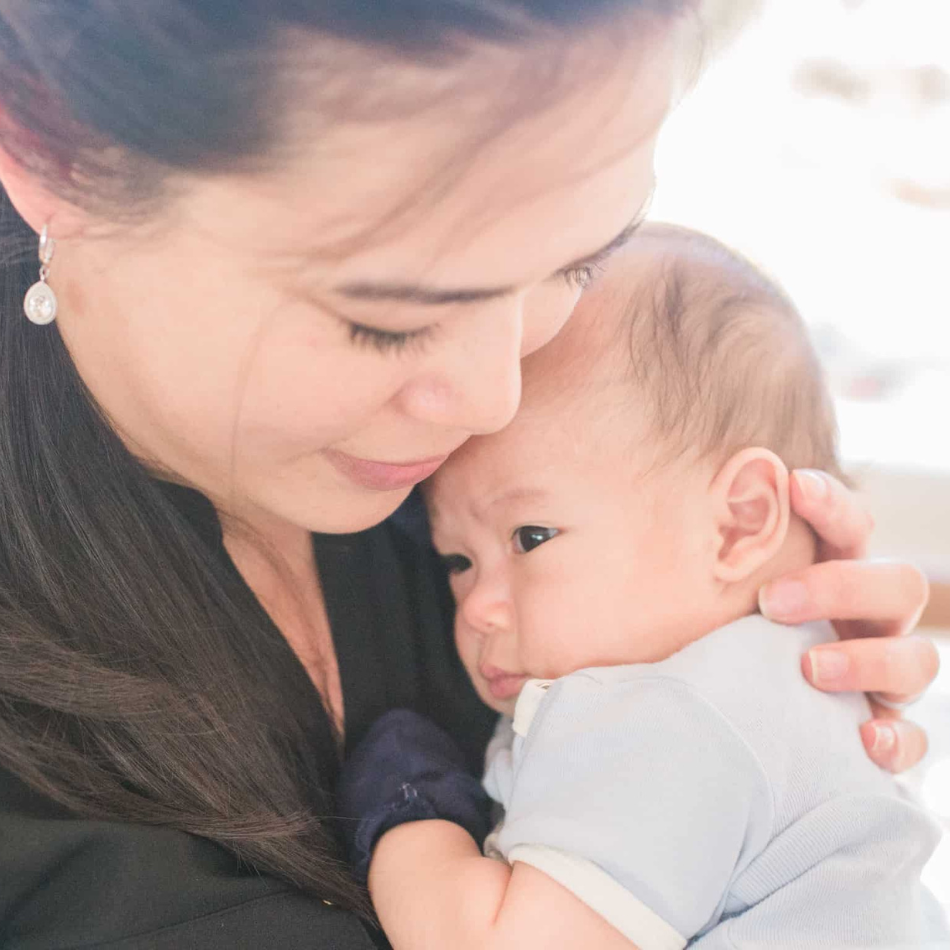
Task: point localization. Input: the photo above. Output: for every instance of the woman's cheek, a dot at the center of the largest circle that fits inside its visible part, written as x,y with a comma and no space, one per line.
302,387
546,311
313,350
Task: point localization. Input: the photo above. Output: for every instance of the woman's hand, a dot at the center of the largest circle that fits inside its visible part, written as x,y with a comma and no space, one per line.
874,605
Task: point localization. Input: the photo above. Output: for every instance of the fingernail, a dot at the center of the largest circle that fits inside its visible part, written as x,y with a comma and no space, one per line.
885,738
827,666
813,484
783,600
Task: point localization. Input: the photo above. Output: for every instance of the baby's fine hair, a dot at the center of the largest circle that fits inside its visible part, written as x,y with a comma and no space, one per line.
721,356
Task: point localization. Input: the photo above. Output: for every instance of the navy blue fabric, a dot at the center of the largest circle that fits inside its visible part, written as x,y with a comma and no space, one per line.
406,769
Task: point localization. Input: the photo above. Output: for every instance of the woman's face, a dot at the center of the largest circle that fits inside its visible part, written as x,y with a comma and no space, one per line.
305,345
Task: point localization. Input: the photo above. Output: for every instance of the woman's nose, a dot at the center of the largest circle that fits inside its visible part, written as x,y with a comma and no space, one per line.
474,383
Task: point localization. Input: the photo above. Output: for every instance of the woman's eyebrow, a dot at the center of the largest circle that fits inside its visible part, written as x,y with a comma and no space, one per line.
421,295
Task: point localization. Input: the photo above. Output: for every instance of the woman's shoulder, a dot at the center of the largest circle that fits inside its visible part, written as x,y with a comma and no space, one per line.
67,881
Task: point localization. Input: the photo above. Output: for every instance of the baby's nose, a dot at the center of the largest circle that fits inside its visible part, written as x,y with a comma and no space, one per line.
487,610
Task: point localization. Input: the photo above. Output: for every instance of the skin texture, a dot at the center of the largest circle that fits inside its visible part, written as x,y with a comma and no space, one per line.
237,373
576,476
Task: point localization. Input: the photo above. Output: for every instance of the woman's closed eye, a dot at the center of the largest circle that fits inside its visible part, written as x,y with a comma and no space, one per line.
528,537
387,341
580,278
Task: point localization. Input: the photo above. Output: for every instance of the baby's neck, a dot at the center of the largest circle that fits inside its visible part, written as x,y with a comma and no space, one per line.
742,600
735,601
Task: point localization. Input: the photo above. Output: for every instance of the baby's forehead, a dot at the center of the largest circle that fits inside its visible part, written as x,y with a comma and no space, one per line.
488,466
489,463
550,453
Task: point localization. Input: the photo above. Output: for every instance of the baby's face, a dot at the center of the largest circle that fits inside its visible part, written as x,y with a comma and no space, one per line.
563,554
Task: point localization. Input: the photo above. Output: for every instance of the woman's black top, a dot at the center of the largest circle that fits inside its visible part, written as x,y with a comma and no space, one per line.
68,883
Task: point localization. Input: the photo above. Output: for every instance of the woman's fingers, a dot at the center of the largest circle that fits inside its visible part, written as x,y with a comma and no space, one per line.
872,598
873,604
837,514
894,744
899,669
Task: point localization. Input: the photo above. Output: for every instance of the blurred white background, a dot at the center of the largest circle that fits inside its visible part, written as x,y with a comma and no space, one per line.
817,142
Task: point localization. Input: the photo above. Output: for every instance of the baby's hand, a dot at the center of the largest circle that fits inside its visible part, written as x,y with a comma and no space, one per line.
406,769
874,606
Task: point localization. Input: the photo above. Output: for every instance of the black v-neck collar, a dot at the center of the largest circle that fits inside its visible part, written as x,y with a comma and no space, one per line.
390,615
304,701
344,564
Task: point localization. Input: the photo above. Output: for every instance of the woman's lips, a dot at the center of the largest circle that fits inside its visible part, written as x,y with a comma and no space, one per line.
383,476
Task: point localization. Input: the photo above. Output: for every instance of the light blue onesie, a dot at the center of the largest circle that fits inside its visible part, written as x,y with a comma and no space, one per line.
715,799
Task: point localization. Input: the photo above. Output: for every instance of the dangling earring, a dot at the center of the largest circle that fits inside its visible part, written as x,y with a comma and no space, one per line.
40,304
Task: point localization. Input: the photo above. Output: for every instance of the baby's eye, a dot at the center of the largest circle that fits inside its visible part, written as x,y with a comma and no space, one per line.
529,537
456,563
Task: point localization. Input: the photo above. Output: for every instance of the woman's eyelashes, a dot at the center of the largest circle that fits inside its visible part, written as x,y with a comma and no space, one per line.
397,341
387,341
529,537
580,278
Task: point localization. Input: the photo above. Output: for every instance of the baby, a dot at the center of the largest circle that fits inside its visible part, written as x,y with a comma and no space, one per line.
667,776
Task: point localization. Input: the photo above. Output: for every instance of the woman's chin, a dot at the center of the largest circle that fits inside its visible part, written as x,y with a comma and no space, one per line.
355,514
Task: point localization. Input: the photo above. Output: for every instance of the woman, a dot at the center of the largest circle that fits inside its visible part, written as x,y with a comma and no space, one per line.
297,252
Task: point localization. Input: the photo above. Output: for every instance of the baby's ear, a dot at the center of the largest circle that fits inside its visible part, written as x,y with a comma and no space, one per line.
751,508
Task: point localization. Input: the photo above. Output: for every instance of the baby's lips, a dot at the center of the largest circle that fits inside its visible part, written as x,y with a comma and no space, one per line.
501,684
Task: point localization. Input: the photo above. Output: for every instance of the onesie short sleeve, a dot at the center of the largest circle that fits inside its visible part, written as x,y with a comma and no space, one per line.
652,762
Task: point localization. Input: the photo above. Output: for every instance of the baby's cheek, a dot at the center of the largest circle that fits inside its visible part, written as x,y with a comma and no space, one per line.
466,647
582,627
551,640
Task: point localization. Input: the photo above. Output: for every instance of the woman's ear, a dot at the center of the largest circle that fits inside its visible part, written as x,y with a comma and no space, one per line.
751,509
36,204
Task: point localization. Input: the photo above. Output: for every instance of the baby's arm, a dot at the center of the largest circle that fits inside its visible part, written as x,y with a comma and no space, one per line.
432,890
414,816
632,808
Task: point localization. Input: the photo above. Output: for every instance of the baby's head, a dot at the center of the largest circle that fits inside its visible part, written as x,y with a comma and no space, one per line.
640,497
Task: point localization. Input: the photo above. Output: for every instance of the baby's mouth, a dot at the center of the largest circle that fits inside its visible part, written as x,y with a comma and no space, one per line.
501,684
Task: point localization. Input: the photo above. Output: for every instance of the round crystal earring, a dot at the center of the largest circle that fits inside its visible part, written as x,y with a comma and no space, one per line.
40,304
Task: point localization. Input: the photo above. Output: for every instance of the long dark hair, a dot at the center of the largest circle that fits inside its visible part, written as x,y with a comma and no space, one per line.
139,678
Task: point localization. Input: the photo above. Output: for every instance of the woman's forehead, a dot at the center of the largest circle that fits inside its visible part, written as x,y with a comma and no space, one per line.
427,196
